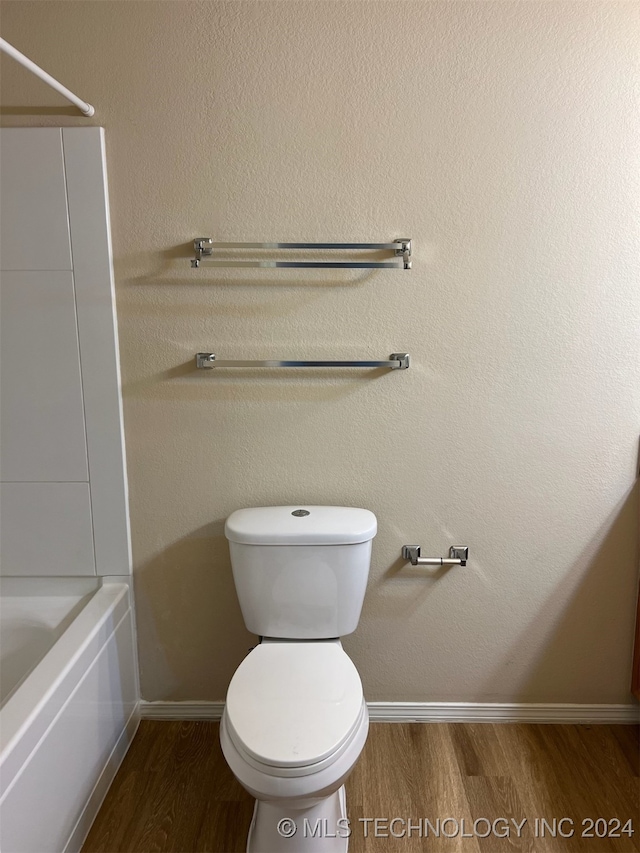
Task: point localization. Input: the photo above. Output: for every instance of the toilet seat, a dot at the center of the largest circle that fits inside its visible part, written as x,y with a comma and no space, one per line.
293,707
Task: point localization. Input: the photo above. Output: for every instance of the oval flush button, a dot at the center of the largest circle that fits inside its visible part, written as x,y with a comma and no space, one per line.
300,512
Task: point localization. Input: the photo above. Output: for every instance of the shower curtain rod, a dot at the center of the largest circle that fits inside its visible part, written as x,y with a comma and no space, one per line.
11,51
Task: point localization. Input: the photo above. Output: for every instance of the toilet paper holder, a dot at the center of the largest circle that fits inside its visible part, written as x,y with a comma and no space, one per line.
458,556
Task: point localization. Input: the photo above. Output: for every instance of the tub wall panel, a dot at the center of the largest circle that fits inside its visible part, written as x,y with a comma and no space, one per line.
46,527
61,396
35,225
42,418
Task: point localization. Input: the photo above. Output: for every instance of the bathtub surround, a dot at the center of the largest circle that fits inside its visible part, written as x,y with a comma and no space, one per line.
64,486
502,137
69,703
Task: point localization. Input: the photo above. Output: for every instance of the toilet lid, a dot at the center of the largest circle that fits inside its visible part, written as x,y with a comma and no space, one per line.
294,704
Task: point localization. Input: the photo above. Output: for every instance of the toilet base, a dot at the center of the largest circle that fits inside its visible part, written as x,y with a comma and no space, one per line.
321,828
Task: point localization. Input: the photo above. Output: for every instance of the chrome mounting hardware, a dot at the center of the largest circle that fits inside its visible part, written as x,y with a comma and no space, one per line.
404,250
203,248
458,556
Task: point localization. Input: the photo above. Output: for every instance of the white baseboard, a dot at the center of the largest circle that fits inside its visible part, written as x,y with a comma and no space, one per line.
181,710
431,712
500,712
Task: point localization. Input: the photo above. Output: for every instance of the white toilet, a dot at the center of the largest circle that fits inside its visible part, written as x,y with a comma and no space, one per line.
295,719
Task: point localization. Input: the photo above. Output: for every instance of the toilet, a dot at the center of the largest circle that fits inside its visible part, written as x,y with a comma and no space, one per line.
295,719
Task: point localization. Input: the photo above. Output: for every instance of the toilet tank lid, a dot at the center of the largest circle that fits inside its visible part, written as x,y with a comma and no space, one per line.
301,525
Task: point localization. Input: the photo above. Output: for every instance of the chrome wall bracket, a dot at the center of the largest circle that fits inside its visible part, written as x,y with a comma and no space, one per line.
458,556
404,250
401,249
203,247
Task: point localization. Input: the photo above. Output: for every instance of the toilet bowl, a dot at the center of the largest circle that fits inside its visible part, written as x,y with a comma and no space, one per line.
295,719
294,725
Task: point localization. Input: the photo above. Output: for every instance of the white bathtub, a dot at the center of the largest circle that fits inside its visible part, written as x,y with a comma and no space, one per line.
70,709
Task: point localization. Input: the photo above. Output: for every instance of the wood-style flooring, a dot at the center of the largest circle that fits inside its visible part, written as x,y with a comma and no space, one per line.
174,791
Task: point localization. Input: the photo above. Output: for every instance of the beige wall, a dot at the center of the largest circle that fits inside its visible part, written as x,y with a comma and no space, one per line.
502,138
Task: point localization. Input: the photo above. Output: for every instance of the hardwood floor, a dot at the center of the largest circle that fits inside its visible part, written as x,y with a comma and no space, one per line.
174,791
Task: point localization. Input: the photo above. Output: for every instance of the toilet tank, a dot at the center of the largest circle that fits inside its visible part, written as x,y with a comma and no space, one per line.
301,571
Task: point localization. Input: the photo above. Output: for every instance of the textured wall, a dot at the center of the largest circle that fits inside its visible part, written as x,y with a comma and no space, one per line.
501,137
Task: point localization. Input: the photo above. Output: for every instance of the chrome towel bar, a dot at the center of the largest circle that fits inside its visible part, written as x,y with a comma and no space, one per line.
204,248
208,360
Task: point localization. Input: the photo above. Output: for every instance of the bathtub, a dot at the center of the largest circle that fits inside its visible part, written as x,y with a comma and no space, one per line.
69,707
